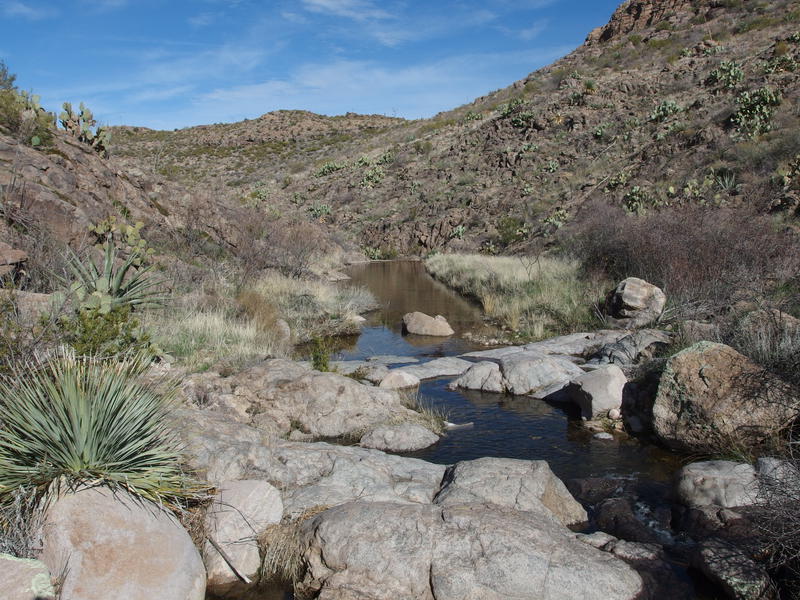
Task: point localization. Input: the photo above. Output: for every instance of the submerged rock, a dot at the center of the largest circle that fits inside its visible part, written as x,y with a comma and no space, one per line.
107,541
421,324
407,437
470,551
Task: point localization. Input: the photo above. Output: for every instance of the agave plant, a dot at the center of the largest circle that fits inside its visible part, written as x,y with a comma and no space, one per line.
76,421
112,285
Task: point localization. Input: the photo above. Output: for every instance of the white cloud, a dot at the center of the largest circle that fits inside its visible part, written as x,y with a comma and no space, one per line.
359,10
16,8
533,31
203,19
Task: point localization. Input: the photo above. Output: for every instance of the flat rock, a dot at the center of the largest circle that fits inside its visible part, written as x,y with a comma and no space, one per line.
717,482
448,366
25,579
106,541
242,510
529,372
421,324
407,437
399,380
484,376
524,485
471,551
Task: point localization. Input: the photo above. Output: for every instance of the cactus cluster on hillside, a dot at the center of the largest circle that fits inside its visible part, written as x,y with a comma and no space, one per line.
82,125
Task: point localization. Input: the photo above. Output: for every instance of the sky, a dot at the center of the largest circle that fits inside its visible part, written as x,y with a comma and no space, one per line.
169,64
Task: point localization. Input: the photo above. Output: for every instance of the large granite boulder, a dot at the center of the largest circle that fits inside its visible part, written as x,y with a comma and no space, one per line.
709,395
382,551
406,437
526,485
25,579
634,303
104,541
484,376
598,392
421,324
242,511
399,380
717,482
534,373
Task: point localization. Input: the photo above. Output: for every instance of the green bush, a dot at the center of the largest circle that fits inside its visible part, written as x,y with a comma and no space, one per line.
727,75
85,421
756,108
91,332
320,355
664,110
23,117
328,168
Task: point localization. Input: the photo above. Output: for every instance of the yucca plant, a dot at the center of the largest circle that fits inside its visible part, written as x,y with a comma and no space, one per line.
76,421
110,285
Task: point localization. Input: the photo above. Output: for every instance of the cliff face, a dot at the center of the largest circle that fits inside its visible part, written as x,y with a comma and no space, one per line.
635,15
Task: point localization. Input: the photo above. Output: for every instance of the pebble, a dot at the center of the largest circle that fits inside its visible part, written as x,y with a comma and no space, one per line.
603,436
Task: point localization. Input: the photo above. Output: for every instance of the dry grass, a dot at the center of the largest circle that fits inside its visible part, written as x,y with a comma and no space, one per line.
282,548
535,296
21,522
428,416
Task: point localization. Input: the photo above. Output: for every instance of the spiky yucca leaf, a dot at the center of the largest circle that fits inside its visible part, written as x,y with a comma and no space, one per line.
89,421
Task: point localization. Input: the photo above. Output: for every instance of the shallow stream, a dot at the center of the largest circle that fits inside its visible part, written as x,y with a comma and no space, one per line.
503,426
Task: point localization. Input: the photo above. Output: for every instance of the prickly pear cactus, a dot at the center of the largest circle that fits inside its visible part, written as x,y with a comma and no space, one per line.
81,125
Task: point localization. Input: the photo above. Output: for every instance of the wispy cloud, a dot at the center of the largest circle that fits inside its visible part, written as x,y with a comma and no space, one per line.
359,10
203,19
533,31
16,8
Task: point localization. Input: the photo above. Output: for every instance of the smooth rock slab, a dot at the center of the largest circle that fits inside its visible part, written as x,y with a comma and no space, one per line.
399,380
447,366
717,482
421,324
530,372
24,579
111,545
599,391
525,485
407,437
240,513
379,551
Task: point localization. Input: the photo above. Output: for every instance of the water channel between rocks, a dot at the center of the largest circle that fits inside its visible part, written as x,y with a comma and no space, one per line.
504,426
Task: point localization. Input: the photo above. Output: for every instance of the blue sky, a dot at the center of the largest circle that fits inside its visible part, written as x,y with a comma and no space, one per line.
173,63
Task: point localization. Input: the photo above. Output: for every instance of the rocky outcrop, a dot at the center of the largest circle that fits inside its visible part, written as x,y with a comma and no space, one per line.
710,394
421,324
519,484
471,551
634,15
242,510
407,437
25,579
446,366
103,540
11,259
598,392
280,396
738,575
634,303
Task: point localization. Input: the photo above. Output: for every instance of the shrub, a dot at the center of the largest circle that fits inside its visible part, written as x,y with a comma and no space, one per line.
727,75
320,355
328,168
780,64
23,117
754,115
86,421
92,332
372,178
664,110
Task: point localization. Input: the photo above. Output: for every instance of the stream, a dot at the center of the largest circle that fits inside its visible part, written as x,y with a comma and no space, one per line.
504,426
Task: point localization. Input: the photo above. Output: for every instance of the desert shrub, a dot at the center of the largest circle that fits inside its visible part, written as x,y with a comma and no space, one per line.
23,117
329,167
320,355
372,177
702,258
755,110
21,521
92,332
727,75
86,421
780,64
664,110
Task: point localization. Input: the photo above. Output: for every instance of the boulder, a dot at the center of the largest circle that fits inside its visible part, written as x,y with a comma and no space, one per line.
406,437
105,541
599,391
421,324
10,259
525,485
533,373
383,551
484,376
739,576
634,303
25,579
448,366
631,348
574,344
399,380
242,510
709,395
717,482
616,516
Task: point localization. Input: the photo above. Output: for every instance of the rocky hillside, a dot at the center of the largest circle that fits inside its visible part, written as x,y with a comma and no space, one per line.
677,102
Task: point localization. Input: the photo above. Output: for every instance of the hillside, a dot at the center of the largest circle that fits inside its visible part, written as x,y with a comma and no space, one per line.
678,103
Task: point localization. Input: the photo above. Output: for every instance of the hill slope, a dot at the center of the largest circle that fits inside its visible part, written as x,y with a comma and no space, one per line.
673,102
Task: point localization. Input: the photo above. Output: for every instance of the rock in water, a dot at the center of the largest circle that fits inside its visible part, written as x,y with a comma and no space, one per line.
24,579
407,437
421,324
398,380
710,394
241,512
532,372
635,303
112,545
598,392
484,376
381,551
